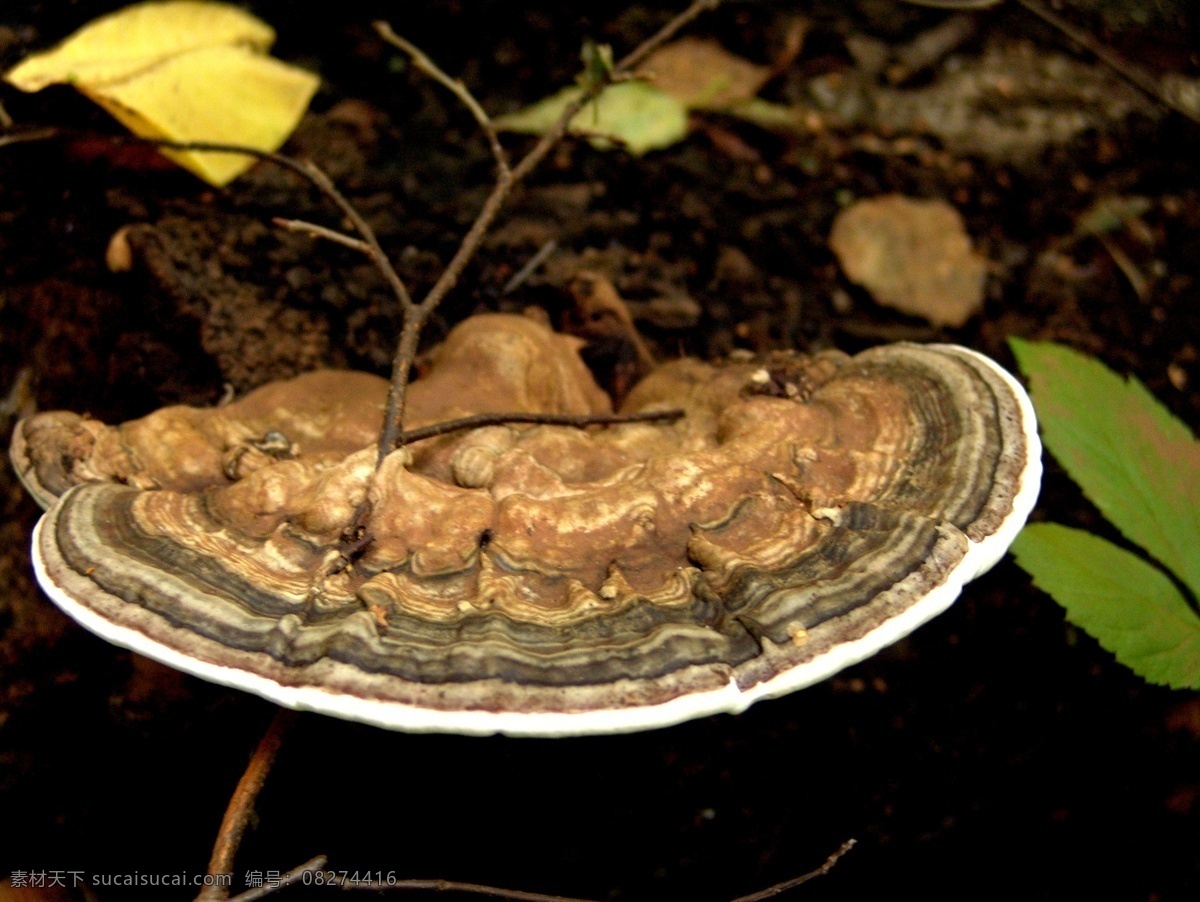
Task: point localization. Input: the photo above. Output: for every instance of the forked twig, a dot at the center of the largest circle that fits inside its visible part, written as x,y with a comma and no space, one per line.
241,804
531,265
430,68
416,315
311,172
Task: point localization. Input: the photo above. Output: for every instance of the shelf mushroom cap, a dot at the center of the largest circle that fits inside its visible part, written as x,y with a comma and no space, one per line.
539,580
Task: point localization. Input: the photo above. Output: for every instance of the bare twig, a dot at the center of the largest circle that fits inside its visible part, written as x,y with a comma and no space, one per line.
529,268
241,804
430,68
579,420
314,174
664,34
1134,74
415,317
311,228
33,134
522,896
295,875
794,882
1109,57
317,176
453,886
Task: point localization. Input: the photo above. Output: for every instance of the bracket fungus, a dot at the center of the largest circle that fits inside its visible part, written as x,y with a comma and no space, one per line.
538,579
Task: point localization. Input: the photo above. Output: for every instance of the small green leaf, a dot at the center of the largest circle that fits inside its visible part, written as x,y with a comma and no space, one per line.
635,115
1129,606
597,62
1132,458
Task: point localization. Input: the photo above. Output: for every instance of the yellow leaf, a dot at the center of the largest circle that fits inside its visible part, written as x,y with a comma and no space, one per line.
182,71
133,39
256,102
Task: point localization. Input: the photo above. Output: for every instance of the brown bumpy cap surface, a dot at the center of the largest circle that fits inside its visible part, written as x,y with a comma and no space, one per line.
539,579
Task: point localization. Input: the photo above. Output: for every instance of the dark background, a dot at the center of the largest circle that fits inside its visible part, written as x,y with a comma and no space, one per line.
998,751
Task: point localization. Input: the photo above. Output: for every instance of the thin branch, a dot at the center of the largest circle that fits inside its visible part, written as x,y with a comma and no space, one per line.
415,315
378,257
368,244
295,875
786,885
522,896
664,34
320,231
455,86
529,268
549,140
33,134
414,319
579,420
314,174
453,886
1134,74
1109,57
241,804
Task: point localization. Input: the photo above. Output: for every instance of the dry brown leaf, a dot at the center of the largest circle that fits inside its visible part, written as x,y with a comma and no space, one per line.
703,74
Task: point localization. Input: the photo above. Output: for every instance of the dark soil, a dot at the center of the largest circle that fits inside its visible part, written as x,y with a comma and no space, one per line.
997,752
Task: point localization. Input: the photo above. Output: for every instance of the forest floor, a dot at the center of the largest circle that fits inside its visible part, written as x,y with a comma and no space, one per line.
996,752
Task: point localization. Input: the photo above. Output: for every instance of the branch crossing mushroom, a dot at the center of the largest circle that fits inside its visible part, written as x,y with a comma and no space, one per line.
805,512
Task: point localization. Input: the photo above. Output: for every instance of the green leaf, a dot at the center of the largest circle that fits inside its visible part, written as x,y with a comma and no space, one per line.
1129,606
635,115
597,62
1136,462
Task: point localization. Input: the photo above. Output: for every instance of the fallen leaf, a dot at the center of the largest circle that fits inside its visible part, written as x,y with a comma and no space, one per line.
129,41
703,75
182,71
914,255
632,115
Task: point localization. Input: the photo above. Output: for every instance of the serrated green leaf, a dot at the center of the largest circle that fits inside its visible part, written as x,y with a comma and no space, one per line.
1129,606
637,116
1136,462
